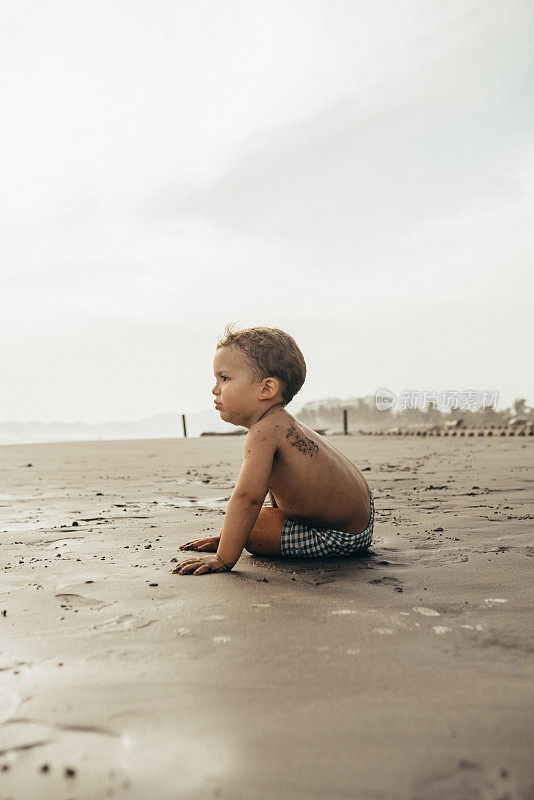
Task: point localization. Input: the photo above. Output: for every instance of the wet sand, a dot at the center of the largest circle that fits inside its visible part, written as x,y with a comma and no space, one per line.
406,673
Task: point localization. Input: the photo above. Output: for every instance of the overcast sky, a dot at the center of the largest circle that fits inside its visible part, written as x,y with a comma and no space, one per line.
360,174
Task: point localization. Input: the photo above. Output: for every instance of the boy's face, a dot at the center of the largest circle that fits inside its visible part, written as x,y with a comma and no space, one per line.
237,391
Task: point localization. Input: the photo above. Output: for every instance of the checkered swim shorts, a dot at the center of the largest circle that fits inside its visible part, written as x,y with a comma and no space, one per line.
304,541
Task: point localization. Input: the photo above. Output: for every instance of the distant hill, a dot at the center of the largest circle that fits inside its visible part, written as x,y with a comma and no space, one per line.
318,414
161,426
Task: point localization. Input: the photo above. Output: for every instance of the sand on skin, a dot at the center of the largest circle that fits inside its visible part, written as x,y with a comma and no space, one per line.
403,674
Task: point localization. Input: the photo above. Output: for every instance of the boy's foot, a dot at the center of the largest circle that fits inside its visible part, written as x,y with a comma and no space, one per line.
206,545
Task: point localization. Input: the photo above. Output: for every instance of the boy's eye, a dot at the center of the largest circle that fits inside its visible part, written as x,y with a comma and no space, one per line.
224,378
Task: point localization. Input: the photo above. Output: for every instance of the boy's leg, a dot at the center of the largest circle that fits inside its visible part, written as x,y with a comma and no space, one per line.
265,536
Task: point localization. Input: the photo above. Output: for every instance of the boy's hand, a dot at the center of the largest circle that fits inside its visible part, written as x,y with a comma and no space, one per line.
211,544
199,566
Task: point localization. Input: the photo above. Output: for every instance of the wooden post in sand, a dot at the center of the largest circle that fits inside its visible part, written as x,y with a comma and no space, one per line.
345,421
184,426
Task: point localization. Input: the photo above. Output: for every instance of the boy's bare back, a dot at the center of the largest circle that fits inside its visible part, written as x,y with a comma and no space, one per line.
310,479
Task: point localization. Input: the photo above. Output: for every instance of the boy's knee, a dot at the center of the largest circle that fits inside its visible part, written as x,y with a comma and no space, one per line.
264,538
253,543
249,546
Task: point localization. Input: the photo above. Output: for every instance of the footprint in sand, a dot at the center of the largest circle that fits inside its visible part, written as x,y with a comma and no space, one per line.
78,601
387,579
127,622
72,540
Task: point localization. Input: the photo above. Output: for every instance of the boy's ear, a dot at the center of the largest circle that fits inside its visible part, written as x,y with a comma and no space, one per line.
270,388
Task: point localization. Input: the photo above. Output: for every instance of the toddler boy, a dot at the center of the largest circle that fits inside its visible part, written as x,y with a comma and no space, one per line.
322,505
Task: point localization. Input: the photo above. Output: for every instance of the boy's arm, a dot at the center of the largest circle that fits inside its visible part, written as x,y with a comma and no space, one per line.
248,496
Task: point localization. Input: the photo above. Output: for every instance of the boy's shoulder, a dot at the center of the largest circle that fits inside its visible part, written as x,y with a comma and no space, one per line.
271,427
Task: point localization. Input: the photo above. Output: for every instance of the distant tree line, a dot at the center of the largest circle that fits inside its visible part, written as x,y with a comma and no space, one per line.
363,413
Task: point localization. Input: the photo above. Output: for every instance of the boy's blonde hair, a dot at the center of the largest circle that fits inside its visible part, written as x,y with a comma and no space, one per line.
271,354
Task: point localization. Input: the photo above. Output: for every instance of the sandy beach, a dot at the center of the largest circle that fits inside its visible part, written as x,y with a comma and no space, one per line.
406,673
